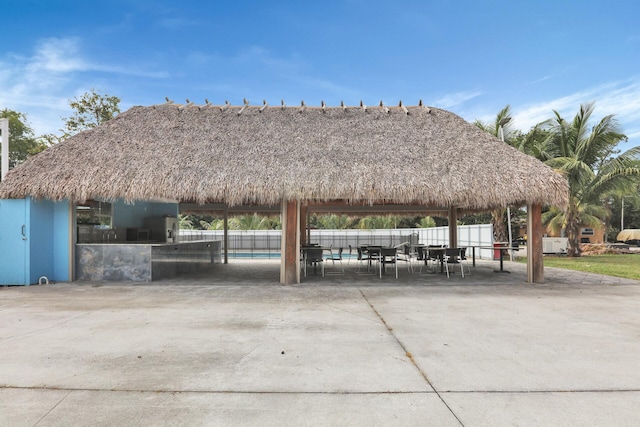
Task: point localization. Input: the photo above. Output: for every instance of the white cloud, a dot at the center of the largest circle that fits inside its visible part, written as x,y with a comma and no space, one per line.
58,56
64,56
454,99
40,85
621,98
541,79
290,77
634,135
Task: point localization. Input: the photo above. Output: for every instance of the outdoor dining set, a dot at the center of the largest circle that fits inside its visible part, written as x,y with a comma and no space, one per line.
378,260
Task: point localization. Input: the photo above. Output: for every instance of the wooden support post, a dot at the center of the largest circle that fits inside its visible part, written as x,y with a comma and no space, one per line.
225,224
535,262
308,231
290,247
453,227
303,224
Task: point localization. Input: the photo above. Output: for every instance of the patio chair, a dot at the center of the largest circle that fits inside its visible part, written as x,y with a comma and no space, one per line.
363,259
333,257
404,255
422,257
313,256
388,256
452,255
464,261
435,255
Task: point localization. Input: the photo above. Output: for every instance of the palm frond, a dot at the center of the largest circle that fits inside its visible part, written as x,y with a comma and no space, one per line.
601,141
591,221
580,127
554,220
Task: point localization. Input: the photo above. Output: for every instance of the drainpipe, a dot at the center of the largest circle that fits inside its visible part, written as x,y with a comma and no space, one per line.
4,129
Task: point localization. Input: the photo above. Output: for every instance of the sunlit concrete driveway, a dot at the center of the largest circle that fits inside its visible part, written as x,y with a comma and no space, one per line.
373,353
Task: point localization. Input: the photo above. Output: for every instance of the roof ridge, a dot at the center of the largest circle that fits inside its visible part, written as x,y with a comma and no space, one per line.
302,107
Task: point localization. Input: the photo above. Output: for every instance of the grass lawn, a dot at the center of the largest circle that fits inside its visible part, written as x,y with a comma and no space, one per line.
619,265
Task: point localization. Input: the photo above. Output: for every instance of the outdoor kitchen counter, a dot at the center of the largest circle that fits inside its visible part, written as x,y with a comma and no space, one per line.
141,261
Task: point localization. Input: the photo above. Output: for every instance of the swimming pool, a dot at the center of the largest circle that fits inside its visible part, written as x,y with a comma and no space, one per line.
260,255
272,255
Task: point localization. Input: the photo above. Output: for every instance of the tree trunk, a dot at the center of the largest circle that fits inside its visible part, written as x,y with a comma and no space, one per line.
500,233
572,229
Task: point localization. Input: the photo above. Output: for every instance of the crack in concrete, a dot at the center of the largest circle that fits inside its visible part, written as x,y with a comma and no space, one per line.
426,392
47,328
164,391
52,408
409,355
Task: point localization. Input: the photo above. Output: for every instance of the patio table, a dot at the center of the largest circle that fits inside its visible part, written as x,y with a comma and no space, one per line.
502,250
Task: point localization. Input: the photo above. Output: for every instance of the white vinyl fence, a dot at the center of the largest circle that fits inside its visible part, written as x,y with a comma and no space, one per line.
468,235
266,243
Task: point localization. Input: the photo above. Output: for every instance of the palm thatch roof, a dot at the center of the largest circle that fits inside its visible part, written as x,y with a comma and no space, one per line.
264,154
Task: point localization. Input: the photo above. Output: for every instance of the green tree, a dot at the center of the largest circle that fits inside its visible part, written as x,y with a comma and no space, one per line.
379,222
185,222
22,142
586,156
238,222
479,218
196,222
631,210
532,142
213,224
49,139
254,222
409,221
426,222
334,222
89,111
500,128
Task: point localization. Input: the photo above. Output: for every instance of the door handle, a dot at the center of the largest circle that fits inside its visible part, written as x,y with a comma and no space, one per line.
24,232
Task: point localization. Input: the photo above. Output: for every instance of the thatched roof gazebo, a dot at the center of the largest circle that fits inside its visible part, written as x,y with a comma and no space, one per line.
418,156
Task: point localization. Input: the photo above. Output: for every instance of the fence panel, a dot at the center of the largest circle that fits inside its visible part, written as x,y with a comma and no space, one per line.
468,235
266,243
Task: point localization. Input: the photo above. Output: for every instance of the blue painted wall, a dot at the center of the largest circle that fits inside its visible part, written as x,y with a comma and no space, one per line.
43,250
13,247
62,241
40,238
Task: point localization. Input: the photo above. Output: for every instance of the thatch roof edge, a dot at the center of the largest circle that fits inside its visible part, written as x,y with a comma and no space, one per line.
249,154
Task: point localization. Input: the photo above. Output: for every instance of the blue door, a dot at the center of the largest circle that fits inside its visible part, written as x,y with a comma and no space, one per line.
13,242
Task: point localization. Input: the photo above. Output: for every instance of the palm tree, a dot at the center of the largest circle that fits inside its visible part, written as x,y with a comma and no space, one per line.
253,222
334,222
500,128
586,157
532,142
501,124
426,222
215,224
185,222
379,222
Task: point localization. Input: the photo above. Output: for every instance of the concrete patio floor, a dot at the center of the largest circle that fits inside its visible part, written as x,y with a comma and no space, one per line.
231,346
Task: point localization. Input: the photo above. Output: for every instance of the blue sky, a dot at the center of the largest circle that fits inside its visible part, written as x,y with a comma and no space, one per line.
469,57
